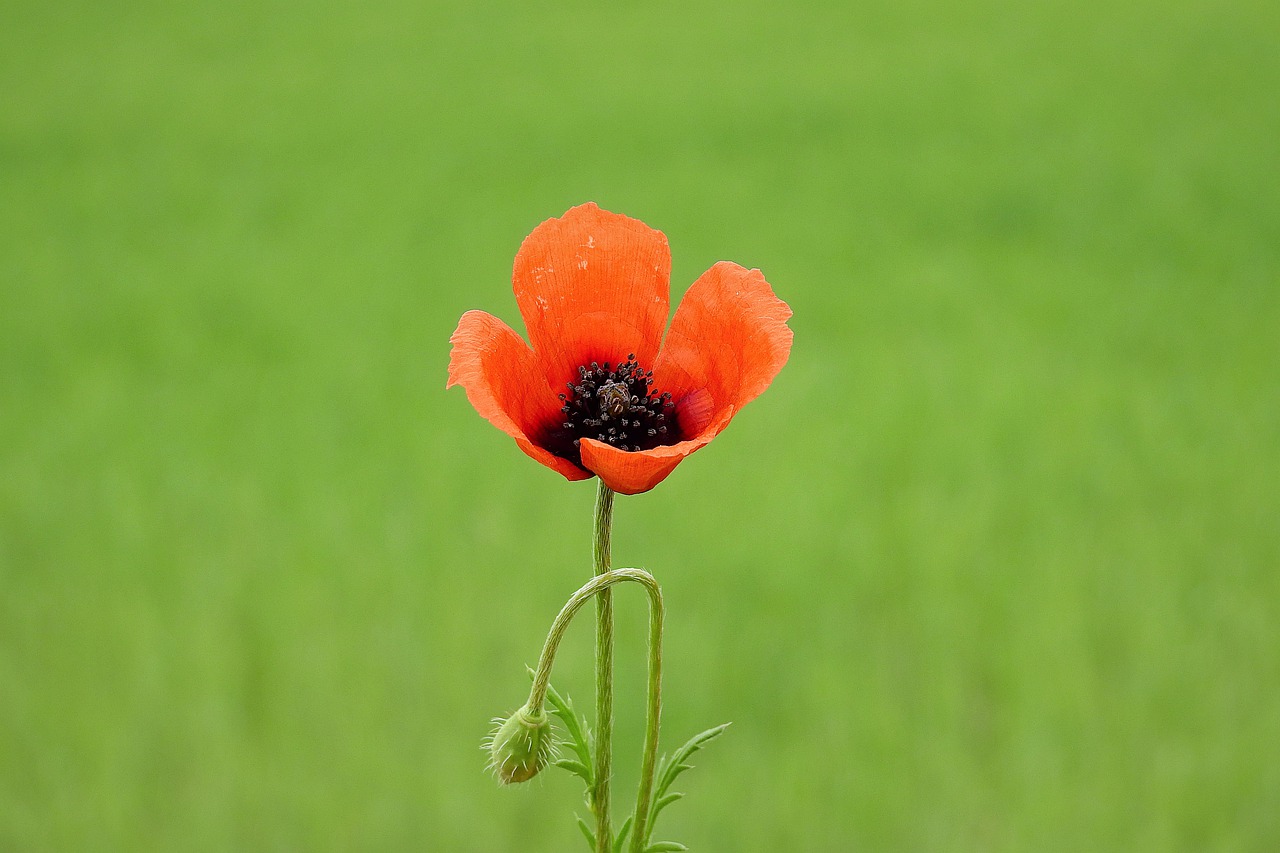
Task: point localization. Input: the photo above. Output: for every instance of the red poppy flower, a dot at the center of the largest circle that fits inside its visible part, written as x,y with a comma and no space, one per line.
600,392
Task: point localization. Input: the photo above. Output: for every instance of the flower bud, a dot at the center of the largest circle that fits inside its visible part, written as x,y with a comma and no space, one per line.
521,745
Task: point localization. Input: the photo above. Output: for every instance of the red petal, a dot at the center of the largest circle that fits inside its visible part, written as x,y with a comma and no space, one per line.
505,383
727,342
630,473
592,286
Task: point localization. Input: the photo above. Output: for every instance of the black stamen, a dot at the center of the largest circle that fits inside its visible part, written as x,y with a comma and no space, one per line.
615,403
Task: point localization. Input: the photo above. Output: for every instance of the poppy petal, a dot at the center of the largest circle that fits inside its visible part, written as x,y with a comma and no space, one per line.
630,473
727,342
505,382
555,463
592,286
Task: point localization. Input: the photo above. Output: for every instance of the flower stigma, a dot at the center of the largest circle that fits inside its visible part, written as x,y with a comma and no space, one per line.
614,398
616,405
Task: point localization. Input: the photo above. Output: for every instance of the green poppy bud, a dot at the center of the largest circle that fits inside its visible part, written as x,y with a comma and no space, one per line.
521,745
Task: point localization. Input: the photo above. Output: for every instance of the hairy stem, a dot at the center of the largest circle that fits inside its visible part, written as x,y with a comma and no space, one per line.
604,671
594,587
644,794
598,586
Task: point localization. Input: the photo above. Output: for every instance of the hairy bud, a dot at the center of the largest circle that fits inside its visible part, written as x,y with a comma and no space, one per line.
521,745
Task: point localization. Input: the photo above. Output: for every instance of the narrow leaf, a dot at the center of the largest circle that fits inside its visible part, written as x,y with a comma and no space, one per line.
664,847
563,708
591,836
661,804
579,736
668,769
576,768
621,840
676,764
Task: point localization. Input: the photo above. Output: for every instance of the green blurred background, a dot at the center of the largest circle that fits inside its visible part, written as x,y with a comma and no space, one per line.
992,565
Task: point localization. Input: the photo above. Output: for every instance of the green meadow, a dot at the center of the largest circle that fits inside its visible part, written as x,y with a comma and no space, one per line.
994,565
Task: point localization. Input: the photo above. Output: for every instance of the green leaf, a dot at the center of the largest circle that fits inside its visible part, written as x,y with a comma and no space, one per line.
621,840
591,836
661,804
580,740
664,847
668,770
579,735
673,767
575,767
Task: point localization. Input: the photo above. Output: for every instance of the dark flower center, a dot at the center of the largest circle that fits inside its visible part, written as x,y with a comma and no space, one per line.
617,406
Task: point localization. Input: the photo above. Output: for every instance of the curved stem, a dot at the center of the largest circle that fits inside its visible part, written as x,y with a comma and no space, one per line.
644,794
604,671
599,585
593,587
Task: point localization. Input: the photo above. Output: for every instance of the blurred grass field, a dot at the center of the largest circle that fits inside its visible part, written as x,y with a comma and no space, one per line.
993,566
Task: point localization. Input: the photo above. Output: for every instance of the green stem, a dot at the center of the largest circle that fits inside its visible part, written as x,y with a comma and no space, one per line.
599,586
594,587
644,794
604,671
